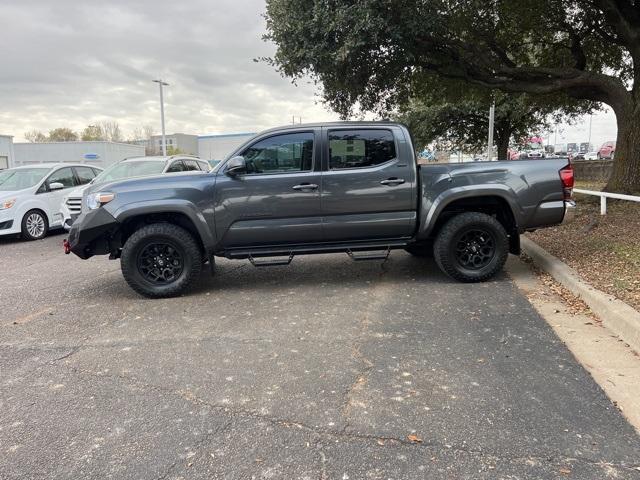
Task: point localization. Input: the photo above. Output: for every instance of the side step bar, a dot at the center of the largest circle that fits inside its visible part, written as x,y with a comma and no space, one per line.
265,259
270,263
364,256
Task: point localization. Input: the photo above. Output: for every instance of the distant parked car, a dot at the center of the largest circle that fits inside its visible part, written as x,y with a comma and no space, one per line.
607,150
591,156
71,205
30,196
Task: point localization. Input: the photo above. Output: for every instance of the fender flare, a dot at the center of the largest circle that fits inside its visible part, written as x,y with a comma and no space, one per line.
184,207
431,210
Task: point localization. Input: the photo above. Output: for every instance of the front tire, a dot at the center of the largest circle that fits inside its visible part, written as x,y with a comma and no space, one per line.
34,225
471,247
161,260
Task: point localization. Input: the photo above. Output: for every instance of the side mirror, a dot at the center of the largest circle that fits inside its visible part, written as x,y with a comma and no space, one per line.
236,166
56,186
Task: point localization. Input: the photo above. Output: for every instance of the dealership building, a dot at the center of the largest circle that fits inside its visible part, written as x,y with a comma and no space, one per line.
217,147
101,154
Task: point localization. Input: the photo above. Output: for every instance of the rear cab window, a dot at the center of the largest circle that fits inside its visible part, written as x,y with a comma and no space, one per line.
360,148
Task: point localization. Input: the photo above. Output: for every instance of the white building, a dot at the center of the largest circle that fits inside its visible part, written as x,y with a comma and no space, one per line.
182,142
6,151
100,154
217,147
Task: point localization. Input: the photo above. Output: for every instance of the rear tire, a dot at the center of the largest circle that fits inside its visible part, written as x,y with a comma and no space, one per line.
35,225
161,260
471,247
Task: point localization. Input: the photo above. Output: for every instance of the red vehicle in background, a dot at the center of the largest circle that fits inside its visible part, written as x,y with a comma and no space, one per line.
607,150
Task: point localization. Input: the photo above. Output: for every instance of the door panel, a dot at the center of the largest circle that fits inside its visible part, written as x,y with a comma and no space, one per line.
277,201
53,199
367,192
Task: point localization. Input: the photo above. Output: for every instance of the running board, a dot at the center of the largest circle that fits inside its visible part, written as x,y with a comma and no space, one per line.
364,256
305,249
270,263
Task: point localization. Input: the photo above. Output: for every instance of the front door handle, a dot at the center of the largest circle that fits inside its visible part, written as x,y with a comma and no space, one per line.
306,186
393,181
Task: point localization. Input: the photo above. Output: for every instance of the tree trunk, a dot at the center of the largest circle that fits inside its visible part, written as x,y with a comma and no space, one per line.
625,177
503,136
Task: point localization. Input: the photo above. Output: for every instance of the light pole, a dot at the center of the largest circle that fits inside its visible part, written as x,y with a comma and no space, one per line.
164,143
492,112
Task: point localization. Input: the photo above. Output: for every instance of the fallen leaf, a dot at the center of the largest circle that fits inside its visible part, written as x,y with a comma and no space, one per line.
413,438
565,471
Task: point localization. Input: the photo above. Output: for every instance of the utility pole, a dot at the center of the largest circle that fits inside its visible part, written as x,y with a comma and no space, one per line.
164,141
492,113
590,120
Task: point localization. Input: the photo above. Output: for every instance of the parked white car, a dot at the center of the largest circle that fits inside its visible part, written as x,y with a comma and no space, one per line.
30,196
591,156
129,168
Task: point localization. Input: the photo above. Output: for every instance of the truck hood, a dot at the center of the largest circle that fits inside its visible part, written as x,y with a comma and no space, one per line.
155,182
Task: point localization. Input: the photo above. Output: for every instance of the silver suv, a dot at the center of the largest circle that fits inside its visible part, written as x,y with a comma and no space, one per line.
130,168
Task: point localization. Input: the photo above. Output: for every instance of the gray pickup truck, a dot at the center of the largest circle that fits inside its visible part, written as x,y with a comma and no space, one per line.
351,187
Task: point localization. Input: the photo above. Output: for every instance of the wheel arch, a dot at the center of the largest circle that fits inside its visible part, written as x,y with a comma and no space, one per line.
178,212
491,203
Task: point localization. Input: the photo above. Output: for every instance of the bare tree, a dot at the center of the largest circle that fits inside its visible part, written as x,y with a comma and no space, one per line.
35,136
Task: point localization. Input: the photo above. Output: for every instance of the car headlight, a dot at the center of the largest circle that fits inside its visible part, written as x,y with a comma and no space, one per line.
7,204
96,200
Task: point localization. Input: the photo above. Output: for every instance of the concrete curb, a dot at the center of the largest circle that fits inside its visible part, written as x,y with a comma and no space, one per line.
616,315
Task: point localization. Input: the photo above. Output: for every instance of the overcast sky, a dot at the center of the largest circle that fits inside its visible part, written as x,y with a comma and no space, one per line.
71,63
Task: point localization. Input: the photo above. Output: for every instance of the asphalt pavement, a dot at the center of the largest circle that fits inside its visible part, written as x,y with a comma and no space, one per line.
325,369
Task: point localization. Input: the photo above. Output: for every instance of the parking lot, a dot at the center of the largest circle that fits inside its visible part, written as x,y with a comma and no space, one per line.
323,369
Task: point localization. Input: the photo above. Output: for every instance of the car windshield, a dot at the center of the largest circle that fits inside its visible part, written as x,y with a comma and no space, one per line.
19,178
122,170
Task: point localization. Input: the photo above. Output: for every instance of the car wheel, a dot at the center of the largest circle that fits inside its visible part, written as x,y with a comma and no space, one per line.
160,260
34,225
425,251
599,156
471,247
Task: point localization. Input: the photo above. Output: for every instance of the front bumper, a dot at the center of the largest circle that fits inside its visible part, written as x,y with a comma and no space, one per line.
9,225
569,211
90,233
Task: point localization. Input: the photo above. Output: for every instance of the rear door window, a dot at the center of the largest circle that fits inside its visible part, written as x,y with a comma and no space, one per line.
191,165
360,148
85,174
176,166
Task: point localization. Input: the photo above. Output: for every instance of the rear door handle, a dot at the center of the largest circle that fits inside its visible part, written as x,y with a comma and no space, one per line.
392,181
306,186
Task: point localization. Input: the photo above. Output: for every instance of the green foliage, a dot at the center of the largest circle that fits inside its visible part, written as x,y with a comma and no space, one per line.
62,134
92,133
369,52
458,117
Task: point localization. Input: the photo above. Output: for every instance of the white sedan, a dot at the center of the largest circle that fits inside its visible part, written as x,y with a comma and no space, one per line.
30,196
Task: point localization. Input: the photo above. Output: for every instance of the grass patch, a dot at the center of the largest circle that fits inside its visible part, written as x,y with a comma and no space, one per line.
605,250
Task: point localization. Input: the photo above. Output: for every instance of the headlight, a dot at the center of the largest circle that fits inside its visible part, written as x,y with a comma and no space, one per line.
7,204
96,200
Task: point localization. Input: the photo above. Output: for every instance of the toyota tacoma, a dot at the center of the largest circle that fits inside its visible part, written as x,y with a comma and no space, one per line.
352,187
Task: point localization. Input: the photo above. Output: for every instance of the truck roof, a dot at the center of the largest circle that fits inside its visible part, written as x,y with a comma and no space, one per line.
373,123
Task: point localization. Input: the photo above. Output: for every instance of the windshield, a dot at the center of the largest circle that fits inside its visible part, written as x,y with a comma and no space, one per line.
122,170
18,179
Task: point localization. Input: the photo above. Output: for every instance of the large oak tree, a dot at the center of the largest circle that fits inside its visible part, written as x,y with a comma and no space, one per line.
368,53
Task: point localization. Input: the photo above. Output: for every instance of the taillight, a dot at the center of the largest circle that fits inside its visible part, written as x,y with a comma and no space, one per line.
566,176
